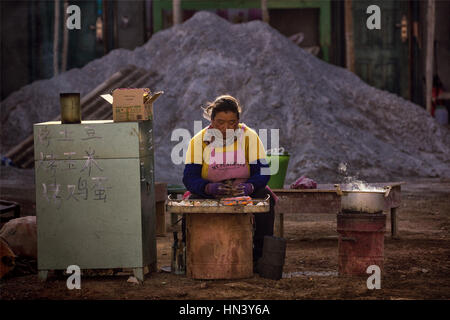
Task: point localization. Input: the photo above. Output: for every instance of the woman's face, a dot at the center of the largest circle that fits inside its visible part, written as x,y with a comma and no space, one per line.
225,120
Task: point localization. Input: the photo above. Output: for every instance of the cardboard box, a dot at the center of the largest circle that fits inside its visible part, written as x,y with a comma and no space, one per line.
132,104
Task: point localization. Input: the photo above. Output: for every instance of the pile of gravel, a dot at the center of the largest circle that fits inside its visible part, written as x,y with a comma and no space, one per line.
326,114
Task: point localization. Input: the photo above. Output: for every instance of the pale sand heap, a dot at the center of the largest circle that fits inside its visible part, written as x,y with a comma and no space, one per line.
326,115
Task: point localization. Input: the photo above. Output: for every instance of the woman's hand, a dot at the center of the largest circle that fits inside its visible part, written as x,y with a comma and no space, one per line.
218,189
243,189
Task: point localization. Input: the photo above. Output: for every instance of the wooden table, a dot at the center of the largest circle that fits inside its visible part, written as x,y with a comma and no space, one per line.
219,239
325,199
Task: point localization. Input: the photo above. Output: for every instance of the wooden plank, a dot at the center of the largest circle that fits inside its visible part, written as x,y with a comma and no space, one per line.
277,222
160,219
24,144
21,157
175,224
394,224
108,83
236,209
310,203
265,11
225,253
65,45
387,184
394,199
92,99
278,227
349,44
177,12
160,191
430,23
56,39
281,225
325,29
294,191
327,201
28,160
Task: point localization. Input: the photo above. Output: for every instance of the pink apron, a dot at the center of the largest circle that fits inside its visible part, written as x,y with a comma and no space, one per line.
228,165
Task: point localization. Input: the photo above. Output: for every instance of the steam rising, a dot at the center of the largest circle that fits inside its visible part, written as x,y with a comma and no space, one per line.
352,183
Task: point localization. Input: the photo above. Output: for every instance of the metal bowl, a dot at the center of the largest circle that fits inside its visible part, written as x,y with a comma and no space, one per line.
363,201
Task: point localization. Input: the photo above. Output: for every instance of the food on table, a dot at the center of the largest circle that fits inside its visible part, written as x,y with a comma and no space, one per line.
233,201
237,201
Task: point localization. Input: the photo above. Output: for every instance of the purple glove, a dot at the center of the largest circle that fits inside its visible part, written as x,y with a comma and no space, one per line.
216,189
245,189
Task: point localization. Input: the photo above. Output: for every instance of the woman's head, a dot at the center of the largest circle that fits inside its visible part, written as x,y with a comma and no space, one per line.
224,113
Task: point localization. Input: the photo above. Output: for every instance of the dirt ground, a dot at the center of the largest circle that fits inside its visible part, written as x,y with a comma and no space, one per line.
417,265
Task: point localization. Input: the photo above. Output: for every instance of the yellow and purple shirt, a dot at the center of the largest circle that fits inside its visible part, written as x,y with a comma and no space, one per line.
199,152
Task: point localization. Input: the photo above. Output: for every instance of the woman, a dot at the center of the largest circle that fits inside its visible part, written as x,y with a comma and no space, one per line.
225,159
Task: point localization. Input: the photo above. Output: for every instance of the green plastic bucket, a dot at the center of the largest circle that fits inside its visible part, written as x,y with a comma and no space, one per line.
277,179
176,189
